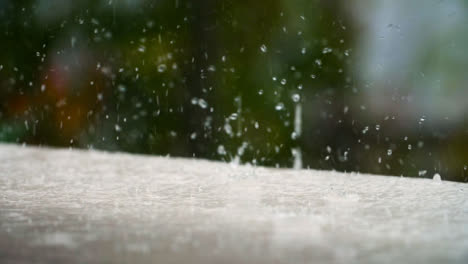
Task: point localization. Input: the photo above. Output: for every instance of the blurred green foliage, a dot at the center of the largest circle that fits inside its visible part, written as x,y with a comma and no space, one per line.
207,79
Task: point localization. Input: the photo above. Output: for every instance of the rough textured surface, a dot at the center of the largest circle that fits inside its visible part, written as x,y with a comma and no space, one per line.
85,206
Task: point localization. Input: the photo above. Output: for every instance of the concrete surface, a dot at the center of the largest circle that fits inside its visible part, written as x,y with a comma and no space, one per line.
63,206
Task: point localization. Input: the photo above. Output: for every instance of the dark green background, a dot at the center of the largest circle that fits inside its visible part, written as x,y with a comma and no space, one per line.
128,76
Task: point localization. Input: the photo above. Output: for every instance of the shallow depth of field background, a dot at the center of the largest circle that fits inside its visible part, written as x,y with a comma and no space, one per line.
382,85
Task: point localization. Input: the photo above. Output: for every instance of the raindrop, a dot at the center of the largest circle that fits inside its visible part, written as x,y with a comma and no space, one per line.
162,68
228,129
283,81
364,131
263,48
279,106
297,154
233,116
327,50
121,88
294,135
296,97
211,68
202,103
221,150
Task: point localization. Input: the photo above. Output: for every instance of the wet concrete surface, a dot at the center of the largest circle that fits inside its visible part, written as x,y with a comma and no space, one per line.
74,206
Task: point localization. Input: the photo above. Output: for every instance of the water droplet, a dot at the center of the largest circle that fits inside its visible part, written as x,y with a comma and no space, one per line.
420,144
296,97
279,106
162,68
221,150
327,50
233,116
211,68
389,152
294,135
202,103
364,131
121,88
283,81
263,48
228,129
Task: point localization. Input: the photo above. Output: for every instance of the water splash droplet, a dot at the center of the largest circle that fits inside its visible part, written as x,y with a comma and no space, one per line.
279,106
162,67
296,97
